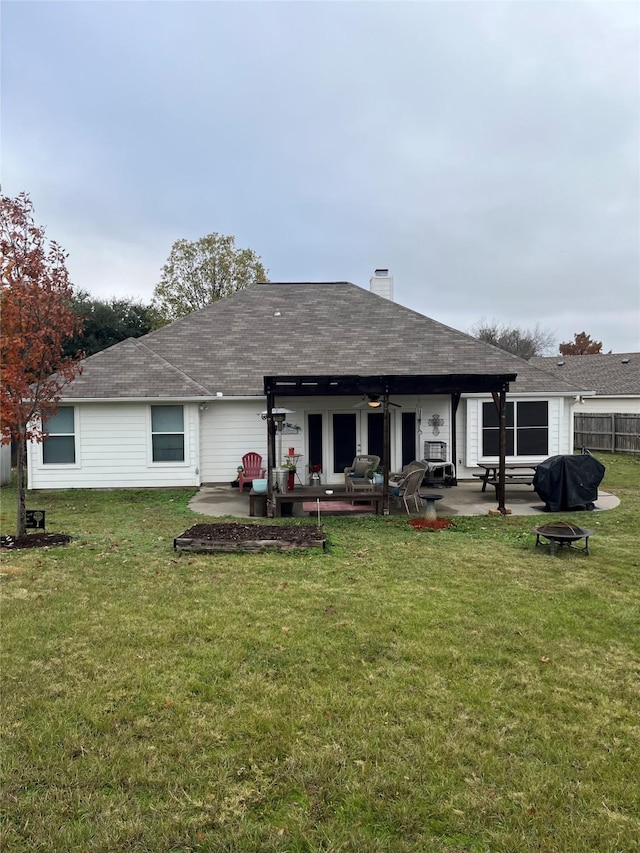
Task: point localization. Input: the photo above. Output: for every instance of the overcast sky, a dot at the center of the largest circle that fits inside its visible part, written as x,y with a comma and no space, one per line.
486,153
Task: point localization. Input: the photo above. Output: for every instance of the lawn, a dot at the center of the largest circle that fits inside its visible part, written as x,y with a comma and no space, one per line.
457,690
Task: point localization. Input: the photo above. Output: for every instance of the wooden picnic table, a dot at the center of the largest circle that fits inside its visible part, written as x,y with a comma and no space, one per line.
514,472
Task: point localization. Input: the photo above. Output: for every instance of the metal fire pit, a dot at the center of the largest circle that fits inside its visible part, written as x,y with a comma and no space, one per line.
562,533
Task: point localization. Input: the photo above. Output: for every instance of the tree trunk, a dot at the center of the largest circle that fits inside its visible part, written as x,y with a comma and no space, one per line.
21,470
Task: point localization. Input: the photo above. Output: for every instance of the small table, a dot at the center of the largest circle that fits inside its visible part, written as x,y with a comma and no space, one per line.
293,458
430,510
375,497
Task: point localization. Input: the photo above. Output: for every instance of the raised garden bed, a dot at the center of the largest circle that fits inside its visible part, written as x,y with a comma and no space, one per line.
232,536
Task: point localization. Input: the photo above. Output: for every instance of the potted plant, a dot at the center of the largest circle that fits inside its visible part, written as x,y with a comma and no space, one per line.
378,476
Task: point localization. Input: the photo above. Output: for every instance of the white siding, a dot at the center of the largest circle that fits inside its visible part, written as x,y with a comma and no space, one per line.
228,430
609,405
113,440
5,464
113,450
560,430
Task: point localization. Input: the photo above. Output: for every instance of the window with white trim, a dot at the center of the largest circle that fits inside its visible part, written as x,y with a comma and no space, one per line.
527,428
167,433
59,444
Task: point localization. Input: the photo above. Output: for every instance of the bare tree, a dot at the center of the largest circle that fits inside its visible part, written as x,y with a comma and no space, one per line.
524,343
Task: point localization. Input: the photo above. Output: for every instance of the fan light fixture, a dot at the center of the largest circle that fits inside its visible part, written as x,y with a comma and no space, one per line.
374,401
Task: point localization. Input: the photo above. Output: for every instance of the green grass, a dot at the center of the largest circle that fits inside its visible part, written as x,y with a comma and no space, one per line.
451,691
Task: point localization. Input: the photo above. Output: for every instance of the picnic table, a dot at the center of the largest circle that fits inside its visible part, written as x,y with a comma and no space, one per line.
515,473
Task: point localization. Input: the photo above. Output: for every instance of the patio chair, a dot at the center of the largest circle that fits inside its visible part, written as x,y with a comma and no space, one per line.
408,489
361,469
251,469
396,480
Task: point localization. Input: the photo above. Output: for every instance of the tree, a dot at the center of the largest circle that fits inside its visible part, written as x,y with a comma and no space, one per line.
581,345
106,322
203,271
35,320
524,343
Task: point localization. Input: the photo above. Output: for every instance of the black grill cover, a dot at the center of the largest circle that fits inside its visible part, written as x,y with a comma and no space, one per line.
568,482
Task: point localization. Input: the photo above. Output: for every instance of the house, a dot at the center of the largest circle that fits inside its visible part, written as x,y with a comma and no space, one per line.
615,378
181,405
608,420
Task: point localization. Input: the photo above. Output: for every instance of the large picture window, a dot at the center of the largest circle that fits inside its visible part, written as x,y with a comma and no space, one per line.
527,429
59,445
167,433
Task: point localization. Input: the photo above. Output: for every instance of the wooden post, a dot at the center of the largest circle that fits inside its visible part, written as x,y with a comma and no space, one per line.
613,432
502,450
271,452
501,405
386,452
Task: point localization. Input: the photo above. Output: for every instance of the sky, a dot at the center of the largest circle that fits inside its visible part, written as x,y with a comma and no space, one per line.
486,153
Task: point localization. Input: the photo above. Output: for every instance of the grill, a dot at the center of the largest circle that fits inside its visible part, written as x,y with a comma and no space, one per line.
562,534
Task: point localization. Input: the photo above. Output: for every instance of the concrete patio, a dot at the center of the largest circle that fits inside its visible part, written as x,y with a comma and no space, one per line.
467,498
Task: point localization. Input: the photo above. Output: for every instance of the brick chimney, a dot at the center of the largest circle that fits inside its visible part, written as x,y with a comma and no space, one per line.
382,284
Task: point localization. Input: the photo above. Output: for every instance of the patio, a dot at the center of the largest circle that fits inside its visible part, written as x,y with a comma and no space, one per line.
467,498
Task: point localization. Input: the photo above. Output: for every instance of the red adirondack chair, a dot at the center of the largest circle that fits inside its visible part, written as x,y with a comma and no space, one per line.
251,469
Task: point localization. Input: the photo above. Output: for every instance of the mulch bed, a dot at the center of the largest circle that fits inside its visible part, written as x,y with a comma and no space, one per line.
34,540
232,536
425,524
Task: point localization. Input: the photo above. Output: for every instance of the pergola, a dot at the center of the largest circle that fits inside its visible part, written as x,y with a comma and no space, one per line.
382,387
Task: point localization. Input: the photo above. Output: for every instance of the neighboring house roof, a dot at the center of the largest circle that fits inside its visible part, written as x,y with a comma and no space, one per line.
305,329
609,375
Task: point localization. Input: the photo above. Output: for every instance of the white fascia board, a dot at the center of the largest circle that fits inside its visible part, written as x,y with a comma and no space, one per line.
538,394
214,399
614,396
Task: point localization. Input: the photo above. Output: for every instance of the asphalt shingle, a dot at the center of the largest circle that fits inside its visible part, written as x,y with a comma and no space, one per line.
608,374
302,328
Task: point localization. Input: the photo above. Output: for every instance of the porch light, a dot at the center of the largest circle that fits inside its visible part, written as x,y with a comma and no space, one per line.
374,401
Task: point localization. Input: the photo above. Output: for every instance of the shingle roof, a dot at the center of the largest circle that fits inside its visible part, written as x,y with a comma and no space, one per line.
607,374
307,328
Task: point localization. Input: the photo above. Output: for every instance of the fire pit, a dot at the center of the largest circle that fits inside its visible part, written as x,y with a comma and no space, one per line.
562,533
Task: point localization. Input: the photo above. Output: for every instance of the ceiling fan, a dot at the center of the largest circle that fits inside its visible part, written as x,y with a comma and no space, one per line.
373,402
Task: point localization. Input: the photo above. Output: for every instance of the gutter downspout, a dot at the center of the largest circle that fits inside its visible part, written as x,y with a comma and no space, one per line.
455,400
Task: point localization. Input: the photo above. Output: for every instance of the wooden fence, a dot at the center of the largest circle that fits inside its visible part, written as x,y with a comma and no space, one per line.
613,433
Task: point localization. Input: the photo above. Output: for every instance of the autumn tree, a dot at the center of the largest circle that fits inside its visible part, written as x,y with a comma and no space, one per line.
581,345
35,321
524,343
203,271
106,322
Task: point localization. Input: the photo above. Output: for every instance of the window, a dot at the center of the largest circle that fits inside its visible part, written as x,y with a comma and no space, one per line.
167,433
59,446
527,429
